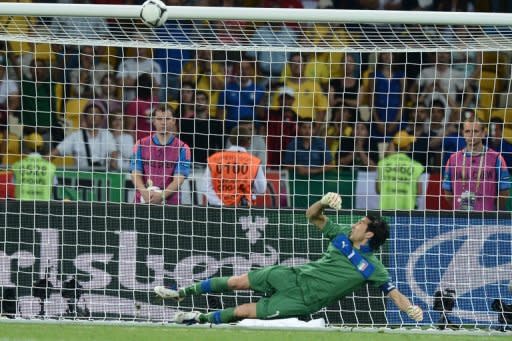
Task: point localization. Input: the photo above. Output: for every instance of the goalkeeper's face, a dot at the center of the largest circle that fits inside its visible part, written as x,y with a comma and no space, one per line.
360,231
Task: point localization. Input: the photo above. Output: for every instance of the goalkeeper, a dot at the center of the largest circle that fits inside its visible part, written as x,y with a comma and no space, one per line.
347,265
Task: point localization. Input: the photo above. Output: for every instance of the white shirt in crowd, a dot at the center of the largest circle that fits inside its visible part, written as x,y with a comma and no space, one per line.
124,147
96,74
132,68
100,146
8,87
450,79
259,183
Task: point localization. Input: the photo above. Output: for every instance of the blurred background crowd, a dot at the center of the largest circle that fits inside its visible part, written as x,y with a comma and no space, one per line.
349,106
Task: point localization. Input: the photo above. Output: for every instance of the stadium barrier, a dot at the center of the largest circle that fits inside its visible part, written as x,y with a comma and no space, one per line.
119,252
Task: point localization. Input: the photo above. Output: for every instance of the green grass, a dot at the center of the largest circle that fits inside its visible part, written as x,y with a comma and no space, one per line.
68,331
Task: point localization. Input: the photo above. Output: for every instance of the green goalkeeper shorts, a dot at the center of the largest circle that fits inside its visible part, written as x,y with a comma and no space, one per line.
285,296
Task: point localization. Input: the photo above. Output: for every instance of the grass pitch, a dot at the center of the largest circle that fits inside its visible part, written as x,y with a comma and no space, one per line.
93,331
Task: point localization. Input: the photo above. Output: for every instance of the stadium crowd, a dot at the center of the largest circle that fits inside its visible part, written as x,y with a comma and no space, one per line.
307,112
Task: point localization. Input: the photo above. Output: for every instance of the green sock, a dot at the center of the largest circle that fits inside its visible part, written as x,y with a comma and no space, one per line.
221,316
216,284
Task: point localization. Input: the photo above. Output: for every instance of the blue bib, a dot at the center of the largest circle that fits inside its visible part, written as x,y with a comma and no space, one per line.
343,244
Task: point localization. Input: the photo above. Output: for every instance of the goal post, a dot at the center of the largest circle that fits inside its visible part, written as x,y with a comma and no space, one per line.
356,83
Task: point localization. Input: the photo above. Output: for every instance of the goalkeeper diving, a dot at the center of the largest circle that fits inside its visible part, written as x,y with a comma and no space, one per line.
347,265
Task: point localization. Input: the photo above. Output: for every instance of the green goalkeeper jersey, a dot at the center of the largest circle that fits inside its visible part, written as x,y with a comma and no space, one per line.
333,276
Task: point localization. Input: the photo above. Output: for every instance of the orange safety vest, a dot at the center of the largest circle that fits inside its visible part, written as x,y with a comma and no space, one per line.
232,176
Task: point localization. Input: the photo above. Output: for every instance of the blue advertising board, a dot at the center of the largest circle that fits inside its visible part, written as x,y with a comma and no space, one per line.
472,256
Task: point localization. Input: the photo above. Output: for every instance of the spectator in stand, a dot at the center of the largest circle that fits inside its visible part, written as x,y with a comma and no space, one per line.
10,148
10,143
306,154
419,128
341,124
34,175
38,103
442,79
108,91
160,162
387,99
453,141
138,111
436,129
345,91
202,133
243,96
81,80
359,150
281,126
9,88
427,150
498,142
271,64
92,146
476,178
124,141
257,145
172,60
320,66
208,75
131,68
234,176
398,176
310,101
186,105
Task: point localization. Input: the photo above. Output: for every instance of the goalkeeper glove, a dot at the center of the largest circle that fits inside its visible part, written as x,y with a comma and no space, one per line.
415,313
331,199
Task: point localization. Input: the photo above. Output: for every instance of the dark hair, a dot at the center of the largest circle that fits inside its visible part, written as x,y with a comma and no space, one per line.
202,92
240,136
380,230
95,104
294,54
247,58
438,104
478,120
497,120
114,115
162,107
144,86
189,84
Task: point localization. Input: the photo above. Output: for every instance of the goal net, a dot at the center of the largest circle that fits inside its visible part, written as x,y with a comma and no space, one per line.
332,101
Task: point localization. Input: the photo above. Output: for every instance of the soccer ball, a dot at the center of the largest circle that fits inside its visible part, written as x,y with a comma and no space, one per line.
153,13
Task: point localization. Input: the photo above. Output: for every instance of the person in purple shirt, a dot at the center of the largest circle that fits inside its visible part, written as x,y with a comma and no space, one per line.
160,162
476,178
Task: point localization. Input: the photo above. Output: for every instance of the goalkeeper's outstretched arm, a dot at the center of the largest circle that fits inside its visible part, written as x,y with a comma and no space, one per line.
403,303
315,213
